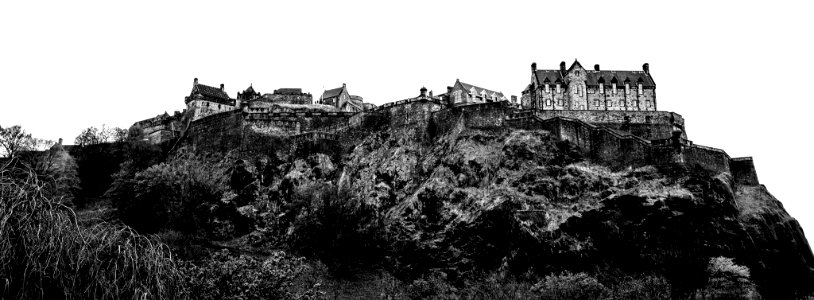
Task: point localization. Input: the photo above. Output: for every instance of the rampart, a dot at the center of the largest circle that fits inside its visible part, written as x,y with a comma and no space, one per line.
488,115
649,125
608,138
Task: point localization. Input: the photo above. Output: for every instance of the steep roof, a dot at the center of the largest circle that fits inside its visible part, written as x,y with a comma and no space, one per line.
478,89
332,93
592,77
209,91
551,75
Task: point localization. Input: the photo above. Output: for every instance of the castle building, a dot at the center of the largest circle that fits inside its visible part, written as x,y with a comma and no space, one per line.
161,128
290,96
341,99
206,100
460,93
247,95
576,88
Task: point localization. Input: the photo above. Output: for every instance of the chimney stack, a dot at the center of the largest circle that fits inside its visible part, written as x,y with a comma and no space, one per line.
646,68
533,66
343,85
596,67
195,82
562,67
423,92
430,94
221,86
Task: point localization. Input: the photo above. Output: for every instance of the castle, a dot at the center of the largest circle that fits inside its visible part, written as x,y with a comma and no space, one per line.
610,115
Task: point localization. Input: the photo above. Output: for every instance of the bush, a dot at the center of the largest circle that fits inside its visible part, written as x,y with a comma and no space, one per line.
223,276
45,254
180,194
570,286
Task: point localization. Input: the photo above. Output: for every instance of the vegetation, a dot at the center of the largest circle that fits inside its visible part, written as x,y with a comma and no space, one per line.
516,216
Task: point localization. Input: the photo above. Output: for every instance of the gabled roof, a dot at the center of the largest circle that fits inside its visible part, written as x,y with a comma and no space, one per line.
332,93
208,91
479,90
574,64
551,75
250,90
592,77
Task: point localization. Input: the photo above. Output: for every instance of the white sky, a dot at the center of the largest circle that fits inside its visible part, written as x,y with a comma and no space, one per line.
738,72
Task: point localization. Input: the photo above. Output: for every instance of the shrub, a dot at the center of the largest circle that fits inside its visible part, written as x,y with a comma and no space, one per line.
570,286
224,276
178,194
45,254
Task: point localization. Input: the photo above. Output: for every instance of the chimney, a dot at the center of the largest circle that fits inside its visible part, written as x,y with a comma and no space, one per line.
533,66
195,82
596,67
449,91
60,142
562,67
343,85
646,68
221,86
423,92
430,94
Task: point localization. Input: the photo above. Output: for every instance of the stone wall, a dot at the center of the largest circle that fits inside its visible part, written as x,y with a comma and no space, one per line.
743,170
489,115
217,133
649,125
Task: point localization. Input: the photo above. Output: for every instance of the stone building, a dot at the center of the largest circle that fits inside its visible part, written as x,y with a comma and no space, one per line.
461,93
340,98
576,88
161,128
248,94
205,100
289,96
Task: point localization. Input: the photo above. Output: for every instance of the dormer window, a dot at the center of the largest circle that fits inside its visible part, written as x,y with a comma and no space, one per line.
613,82
627,88
601,87
641,90
558,88
547,89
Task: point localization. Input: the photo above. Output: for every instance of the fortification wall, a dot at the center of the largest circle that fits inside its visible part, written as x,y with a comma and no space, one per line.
489,115
649,125
217,133
708,157
743,170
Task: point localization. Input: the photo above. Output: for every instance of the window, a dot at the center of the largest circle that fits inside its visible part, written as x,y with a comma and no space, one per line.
547,102
581,91
576,88
636,103
614,89
627,88
641,90
558,88
559,102
547,90
596,102
601,88
608,103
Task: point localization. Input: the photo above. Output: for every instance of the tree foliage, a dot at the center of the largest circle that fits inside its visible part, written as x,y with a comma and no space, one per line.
15,139
104,134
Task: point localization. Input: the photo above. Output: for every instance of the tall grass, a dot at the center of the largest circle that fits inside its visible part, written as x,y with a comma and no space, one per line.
45,254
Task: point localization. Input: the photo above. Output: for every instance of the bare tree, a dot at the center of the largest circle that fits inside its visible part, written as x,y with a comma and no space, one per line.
93,135
14,139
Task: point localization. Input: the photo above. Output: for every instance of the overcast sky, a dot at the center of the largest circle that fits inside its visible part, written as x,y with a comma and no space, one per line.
739,73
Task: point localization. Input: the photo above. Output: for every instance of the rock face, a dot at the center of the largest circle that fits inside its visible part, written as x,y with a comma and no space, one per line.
471,201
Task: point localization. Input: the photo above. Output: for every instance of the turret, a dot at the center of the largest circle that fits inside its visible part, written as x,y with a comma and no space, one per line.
423,92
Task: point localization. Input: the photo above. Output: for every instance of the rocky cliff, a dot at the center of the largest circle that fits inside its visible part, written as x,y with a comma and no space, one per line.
468,201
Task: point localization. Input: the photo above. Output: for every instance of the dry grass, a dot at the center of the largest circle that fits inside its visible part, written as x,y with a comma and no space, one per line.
46,254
